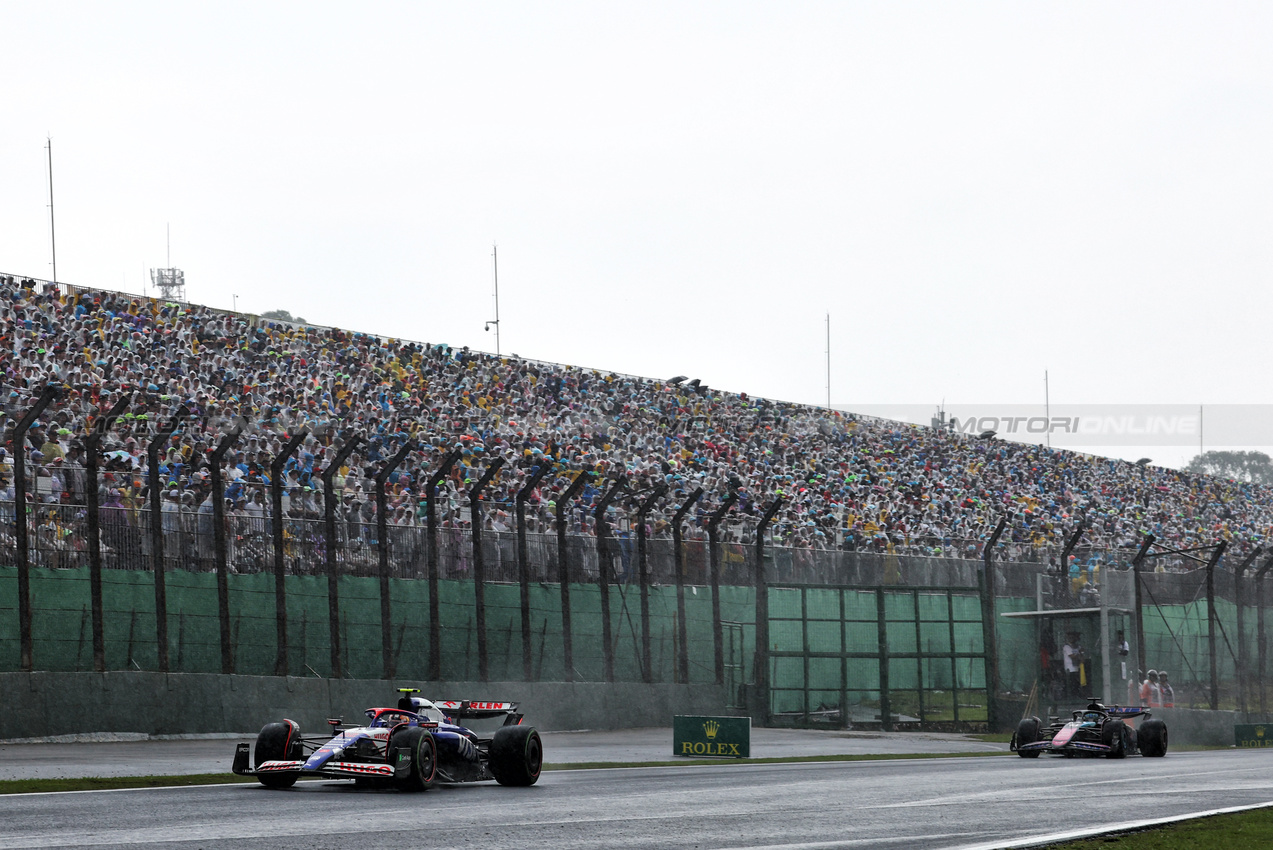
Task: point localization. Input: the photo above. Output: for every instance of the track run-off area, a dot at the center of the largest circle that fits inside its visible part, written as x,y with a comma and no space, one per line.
924,803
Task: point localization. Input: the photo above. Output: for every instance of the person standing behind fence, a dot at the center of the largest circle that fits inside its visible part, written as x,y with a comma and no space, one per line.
1072,654
1150,694
1168,694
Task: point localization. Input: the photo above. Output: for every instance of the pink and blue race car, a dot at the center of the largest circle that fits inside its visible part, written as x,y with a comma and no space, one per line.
1097,730
410,747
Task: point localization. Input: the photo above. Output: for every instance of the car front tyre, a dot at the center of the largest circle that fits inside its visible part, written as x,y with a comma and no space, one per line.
278,742
1027,733
423,751
1153,738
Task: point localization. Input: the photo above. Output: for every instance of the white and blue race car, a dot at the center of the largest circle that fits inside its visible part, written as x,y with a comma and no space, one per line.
410,747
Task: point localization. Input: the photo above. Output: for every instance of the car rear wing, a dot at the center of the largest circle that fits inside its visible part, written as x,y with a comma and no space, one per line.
461,709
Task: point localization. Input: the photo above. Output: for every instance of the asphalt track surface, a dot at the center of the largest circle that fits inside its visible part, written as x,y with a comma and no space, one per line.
929,803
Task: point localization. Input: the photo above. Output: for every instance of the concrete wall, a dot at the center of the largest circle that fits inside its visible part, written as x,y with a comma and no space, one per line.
42,704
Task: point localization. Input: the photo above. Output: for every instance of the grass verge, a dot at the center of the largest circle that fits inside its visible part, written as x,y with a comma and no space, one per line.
1251,830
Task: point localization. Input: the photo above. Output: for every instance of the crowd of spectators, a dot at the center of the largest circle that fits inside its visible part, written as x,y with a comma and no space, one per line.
847,483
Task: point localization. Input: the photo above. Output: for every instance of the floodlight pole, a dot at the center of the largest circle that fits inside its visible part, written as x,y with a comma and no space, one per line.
1140,616
1262,662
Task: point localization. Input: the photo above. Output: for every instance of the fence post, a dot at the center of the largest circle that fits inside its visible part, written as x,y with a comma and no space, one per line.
763,703
714,570
683,650
1261,662
1216,554
988,624
280,567
382,546
431,519
643,575
523,562
20,525
216,459
1238,575
157,536
603,575
479,568
563,573
1140,616
1065,563
93,445
333,573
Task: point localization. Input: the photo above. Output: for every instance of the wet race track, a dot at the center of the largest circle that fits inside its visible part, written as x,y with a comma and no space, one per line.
955,802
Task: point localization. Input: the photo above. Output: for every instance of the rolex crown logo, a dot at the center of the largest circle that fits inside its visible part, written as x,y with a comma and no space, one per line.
1259,731
711,727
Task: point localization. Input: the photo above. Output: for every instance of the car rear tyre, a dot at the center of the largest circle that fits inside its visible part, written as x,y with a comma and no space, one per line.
1114,736
1027,733
278,742
1153,738
419,745
517,755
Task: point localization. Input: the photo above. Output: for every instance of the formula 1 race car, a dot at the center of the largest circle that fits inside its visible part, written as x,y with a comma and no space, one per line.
410,747
1097,730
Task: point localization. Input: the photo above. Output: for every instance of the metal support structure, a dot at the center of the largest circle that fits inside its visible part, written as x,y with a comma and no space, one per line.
523,561
1140,613
431,521
479,568
603,575
1239,600
1065,562
280,568
678,554
643,577
1261,651
762,707
382,548
93,447
563,573
21,524
215,460
1216,555
333,572
714,571
989,635
157,536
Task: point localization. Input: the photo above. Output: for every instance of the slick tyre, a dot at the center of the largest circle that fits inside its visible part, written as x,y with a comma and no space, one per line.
1153,738
1114,735
1027,733
418,745
517,755
278,742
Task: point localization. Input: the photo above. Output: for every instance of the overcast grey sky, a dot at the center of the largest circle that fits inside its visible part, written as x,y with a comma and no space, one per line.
975,192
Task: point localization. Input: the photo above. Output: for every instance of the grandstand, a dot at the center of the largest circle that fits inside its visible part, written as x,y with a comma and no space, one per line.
859,501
